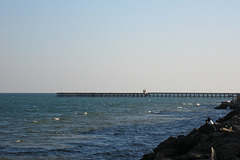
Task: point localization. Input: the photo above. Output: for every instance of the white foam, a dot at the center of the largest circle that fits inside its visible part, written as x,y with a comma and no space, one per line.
18,141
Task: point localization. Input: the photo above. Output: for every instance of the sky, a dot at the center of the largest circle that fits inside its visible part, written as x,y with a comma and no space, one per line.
49,46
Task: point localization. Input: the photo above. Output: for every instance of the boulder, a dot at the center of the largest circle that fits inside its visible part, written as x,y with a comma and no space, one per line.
227,151
149,156
206,129
223,105
161,156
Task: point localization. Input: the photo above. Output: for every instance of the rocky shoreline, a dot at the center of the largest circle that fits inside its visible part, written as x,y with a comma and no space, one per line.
215,141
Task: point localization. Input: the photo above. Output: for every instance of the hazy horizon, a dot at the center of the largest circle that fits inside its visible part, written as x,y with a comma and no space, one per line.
119,46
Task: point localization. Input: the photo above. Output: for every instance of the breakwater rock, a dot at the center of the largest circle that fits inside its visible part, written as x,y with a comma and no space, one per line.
229,104
220,141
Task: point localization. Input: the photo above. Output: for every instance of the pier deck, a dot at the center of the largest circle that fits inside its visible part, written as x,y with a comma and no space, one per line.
149,94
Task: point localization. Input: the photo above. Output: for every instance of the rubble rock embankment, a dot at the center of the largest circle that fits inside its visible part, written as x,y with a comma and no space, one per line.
220,140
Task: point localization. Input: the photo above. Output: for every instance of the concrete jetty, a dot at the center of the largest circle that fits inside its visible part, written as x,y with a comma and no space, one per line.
149,94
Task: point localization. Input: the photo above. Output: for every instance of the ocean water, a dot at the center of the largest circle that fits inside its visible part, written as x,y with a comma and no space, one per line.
44,126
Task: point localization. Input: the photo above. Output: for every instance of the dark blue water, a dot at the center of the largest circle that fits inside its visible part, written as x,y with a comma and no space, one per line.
43,126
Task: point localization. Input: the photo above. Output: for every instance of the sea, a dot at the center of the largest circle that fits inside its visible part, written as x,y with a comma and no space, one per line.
44,126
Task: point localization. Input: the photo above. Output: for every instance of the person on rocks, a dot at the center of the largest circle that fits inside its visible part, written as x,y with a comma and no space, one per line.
209,121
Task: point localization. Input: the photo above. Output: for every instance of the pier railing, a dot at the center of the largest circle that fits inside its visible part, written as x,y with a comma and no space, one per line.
149,94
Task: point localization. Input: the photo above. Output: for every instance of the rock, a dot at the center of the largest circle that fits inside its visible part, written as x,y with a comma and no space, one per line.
223,105
149,156
161,156
232,105
220,140
194,132
186,143
169,143
191,155
206,128
226,151
213,154
177,146
227,130
170,152
229,116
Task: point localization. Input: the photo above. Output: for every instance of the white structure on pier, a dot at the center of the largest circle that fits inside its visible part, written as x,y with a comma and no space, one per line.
144,91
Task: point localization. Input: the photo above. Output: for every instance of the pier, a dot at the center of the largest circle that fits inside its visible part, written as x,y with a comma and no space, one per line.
149,94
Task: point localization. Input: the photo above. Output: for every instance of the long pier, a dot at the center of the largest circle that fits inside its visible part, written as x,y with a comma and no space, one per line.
149,94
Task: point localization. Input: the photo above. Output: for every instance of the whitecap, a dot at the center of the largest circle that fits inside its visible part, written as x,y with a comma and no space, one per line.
179,107
57,119
18,141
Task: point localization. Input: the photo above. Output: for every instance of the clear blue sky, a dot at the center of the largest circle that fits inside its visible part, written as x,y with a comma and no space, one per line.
120,45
